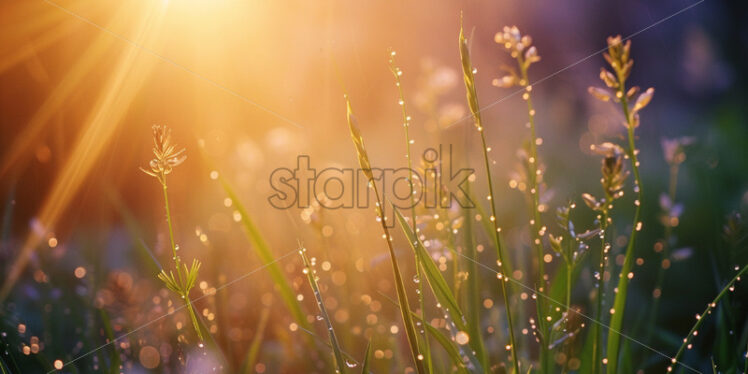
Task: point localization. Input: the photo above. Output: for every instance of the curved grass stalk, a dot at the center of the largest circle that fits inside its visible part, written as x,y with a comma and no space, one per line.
363,160
472,99
312,278
440,288
453,352
262,249
408,141
729,287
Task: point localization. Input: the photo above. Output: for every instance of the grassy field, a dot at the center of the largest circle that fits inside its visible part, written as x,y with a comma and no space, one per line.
561,251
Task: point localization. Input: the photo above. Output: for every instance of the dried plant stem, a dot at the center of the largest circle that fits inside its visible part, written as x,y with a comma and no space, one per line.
616,320
700,318
406,125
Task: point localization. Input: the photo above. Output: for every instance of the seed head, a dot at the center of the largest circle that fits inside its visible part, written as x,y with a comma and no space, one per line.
469,77
612,167
615,82
520,48
358,141
618,56
166,156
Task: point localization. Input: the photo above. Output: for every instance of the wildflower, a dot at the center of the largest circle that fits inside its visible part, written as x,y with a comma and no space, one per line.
643,100
618,57
612,167
591,201
674,149
519,47
601,94
671,210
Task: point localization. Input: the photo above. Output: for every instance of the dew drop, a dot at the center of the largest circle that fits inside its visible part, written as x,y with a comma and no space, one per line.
462,337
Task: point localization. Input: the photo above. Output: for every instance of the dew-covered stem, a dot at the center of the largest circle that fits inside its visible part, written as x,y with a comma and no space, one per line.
729,287
397,73
175,257
597,345
472,97
616,320
536,223
167,157
365,164
312,278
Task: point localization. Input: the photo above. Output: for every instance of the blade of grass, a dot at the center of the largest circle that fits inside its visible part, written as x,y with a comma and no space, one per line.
210,342
254,347
350,360
262,249
627,364
439,286
714,366
115,362
366,363
453,352
437,282
406,124
312,278
472,296
3,367
449,347
363,160
472,98
134,230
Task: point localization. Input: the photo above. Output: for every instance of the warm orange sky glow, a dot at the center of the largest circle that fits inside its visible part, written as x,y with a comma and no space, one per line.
569,207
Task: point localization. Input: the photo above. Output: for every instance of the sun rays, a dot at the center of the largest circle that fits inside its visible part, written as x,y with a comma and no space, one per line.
104,117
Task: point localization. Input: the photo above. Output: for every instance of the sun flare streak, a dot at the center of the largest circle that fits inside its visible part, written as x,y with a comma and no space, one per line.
104,118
